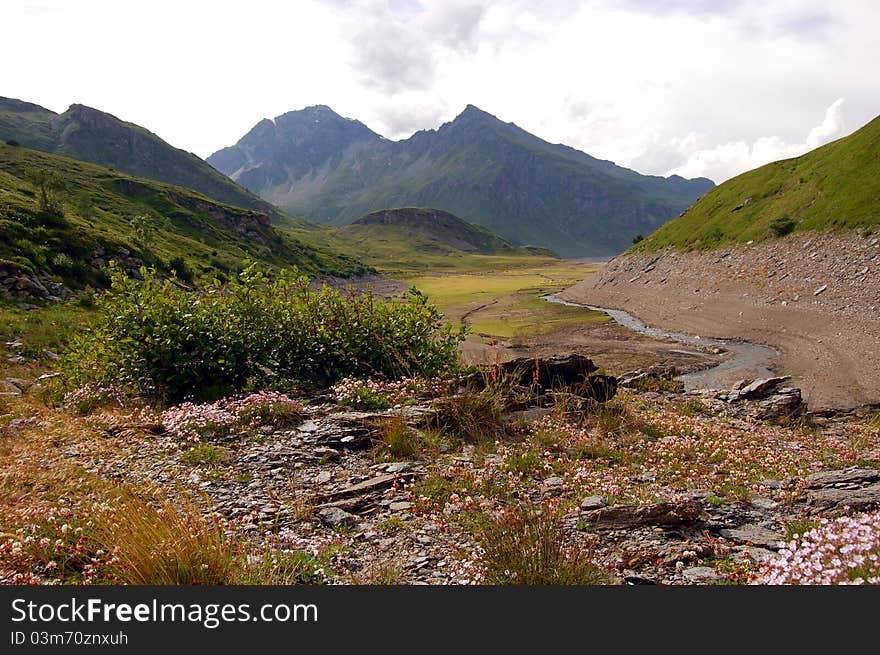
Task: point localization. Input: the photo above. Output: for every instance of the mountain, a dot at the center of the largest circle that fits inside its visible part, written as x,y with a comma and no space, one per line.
331,169
62,220
100,138
835,186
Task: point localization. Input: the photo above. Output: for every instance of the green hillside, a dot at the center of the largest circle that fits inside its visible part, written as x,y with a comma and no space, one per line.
836,186
100,138
405,240
66,218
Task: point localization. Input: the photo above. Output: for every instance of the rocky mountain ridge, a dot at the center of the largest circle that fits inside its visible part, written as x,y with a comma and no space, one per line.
330,169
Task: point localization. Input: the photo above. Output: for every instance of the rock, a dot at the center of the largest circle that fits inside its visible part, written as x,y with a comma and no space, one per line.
759,387
741,205
630,516
820,290
373,484
701,575
742,554
552,486
862,499
401,506
350,438
850,476
328,454
20,384
398,467
784,403
323,477
633,580
593,502
336,517
9,389
754,535
560,372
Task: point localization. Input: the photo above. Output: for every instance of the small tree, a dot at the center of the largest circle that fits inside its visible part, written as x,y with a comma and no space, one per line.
638,238
48,186
144,230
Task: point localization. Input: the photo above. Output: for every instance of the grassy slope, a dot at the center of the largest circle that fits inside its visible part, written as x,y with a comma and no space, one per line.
418,238
836,186
99,205
399,252
100,138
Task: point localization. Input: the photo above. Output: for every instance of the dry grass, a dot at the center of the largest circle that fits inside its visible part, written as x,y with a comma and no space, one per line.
397,440
527,546
163,544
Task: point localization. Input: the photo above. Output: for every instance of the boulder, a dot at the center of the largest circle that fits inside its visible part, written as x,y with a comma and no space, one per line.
574,372
761,387
754,535
336,517
855,475
862,499
593,502
619,517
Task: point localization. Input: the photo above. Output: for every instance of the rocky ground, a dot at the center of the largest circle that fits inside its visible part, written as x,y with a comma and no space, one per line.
813,297
661,486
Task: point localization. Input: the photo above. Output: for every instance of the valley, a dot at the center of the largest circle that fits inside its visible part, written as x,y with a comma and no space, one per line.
391,397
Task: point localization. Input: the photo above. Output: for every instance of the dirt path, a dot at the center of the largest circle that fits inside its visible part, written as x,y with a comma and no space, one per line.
828,338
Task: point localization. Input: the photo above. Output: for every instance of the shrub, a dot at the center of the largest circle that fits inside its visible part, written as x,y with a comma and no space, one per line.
782,225
181,269
157,339
367,399
527,545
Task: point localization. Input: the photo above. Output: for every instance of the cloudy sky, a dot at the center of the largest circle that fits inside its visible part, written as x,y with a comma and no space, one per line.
694,87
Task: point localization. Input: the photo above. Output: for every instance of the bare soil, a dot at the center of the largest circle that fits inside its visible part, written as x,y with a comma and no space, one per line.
815,298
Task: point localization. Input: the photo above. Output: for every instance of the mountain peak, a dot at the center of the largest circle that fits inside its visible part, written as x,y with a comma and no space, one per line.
472,112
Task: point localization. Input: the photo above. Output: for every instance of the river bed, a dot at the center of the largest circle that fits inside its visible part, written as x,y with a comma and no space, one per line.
748,360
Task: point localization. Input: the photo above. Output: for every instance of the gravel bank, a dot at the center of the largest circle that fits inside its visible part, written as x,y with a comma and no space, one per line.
813,297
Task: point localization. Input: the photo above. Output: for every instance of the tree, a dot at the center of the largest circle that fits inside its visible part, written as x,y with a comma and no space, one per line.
48,186
638,238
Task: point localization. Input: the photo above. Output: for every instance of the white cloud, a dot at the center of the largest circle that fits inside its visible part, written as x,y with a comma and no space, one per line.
726,160
659,85
831,127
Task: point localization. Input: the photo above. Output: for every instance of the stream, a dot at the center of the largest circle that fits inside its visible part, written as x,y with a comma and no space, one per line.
749,360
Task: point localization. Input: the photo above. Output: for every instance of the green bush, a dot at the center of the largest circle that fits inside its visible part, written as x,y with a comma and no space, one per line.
152,337
782,225
181,268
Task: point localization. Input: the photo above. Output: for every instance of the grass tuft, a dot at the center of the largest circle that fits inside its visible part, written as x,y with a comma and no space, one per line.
526,546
